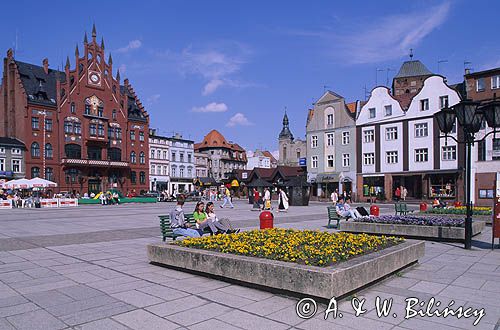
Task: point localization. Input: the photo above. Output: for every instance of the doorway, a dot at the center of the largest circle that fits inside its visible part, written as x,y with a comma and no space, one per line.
94,186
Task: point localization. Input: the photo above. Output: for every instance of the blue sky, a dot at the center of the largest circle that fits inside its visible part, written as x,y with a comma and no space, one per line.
234,66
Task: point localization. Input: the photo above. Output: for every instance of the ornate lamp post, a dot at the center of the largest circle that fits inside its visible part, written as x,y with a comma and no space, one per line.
470,116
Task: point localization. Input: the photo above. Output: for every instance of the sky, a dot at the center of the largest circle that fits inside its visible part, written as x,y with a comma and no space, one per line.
235,66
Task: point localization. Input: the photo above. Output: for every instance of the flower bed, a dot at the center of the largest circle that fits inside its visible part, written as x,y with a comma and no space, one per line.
300,246
414,220
460,210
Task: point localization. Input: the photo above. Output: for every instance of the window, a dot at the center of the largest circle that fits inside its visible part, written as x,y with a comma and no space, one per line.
49,152
35,172
141,136
443,101
329,139
100,129
68,127
158,154
87,109
174,171
118,132
298,153
73,107
373,112
2,164
329,119
314,162
391,133
165,171
391,157
142,158
181,157
111,133
73,151
190,172
329,160
133,158
314,141
115,154
480,85
368,136
49,174
152,154
35,150
16,165
165,154
421,130
481,151
132,135
189,158
94,153
388,110
421,155
181,172
486,193
424,105
142,177
153,169
173,156
495,82
2,150
113,114
449,153
133,177
369,159
100,111
93,129
77,128
346,160
48,125
35,123
345,138
496,149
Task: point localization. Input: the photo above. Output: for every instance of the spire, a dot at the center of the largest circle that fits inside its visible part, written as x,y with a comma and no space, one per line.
94,33
411,54
77,52
102,43
110,59
118,75
85,40
285,131
67,62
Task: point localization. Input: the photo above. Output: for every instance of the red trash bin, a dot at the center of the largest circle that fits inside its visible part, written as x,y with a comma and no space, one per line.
374,210
423,207
266,220
457,204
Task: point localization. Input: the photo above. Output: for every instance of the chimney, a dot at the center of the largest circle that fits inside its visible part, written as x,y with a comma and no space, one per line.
10,53
46,65
467,71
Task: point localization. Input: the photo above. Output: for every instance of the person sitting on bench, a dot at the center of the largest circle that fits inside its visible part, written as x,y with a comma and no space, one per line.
178,223
344,210
202,220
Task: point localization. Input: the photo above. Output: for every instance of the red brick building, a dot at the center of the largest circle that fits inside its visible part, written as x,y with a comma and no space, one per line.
82,128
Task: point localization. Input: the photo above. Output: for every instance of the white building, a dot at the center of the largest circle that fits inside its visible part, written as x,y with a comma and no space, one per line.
261,159
159,162
399,146
182,165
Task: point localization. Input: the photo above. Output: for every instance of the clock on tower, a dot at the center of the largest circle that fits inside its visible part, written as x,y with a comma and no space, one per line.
94,78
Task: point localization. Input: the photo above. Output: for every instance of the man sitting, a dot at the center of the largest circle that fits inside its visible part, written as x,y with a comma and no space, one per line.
344,210
178,223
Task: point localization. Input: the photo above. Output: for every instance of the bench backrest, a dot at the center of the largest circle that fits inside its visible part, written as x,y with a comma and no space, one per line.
401,207
166,230
332,212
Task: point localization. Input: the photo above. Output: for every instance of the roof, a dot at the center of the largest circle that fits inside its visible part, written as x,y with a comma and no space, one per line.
270,155
214,139
6,141
482,73
40,87
412,69
351,107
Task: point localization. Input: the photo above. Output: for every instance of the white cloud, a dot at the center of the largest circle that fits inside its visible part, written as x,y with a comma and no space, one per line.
133,44
387,38
211,107
153,98
238,119
211,86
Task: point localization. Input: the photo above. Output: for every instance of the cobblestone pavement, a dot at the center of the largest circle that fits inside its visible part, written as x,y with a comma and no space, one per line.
86,268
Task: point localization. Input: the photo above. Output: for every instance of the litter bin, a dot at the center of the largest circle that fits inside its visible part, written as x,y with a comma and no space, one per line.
374,210
423,207
266,220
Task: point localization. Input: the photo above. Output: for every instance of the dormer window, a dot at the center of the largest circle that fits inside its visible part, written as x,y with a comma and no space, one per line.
372,112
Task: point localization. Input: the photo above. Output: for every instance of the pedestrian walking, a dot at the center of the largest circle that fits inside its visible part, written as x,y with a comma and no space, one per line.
227,199
282,201
404,193
397,194
335,196
267,199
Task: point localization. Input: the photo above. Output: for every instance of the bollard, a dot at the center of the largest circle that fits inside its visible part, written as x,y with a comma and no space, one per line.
374,210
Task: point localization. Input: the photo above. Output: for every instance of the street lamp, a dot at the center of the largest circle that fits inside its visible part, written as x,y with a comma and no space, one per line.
470,116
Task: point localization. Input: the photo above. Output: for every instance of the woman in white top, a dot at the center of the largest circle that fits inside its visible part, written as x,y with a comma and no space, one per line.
282,201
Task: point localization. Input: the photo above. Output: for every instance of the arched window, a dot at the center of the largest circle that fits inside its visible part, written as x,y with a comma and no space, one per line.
142,158
49,152
49,174
142,177
158,154
115,154
174,171
73,151
73,107
133,159
181,171
35,150
190,172
133,177
35,172
113,114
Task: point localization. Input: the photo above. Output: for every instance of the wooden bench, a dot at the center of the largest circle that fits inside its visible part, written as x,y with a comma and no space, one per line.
401,208
333,216
166,230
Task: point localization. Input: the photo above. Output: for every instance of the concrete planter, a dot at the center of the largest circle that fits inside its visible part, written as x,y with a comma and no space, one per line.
485,218
413,231
324,282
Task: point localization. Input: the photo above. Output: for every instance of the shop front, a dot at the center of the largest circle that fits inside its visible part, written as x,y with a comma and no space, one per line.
443,185
373,188
412,183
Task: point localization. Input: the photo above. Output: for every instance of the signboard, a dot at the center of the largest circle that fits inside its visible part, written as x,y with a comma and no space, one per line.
496,213
302,162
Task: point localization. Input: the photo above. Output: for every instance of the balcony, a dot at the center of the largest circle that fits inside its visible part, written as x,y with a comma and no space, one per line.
93,162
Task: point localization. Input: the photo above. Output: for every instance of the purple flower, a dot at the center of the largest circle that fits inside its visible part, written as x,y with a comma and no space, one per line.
414,220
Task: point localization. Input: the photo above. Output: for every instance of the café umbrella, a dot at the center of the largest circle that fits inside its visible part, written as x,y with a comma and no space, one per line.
42,183
18,184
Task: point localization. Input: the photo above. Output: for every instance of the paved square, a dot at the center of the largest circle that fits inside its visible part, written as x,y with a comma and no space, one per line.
86,268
